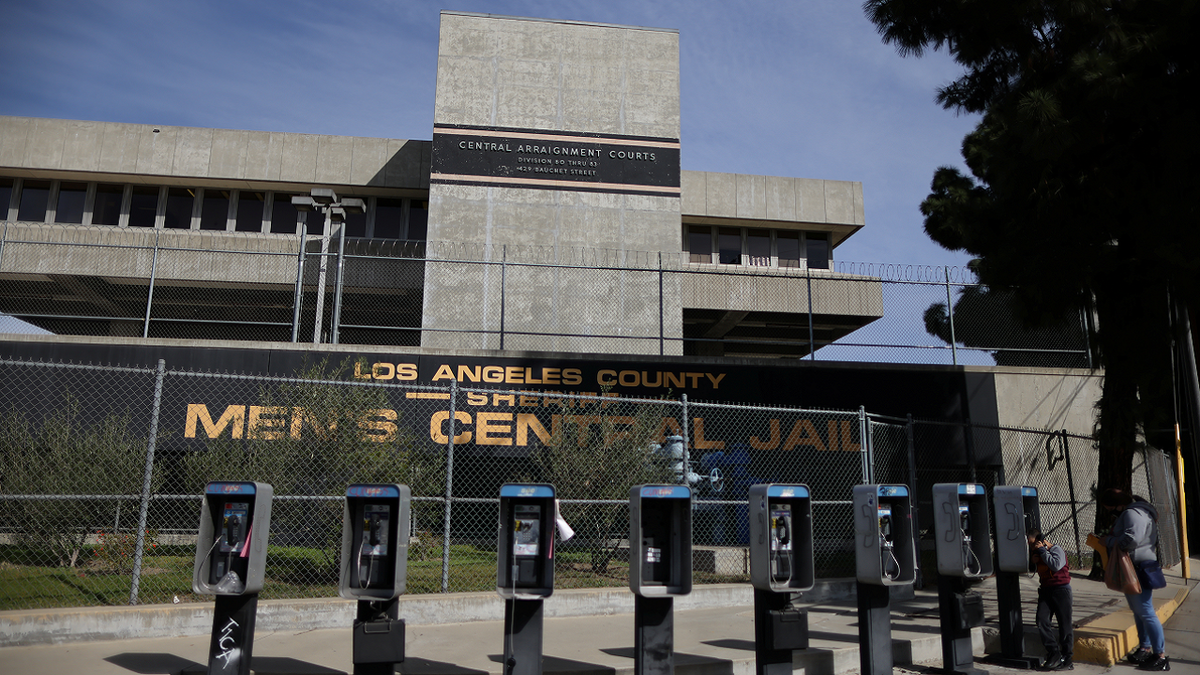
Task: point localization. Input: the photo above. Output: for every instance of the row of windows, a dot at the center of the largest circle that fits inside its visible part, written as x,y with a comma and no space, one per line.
197,209
756,247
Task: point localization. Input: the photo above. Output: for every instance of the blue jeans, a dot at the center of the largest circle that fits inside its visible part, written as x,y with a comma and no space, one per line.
1150,631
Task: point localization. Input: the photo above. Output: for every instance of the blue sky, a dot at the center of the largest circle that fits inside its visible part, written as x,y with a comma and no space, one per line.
803,89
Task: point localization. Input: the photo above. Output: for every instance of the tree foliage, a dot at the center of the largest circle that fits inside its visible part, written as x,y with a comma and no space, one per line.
594,456
1081,172
66,453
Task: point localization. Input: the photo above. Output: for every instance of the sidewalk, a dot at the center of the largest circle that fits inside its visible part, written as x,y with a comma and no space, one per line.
586,633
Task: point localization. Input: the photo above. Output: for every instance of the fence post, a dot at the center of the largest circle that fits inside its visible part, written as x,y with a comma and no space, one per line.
150,444
3,237
912,490
1062,439
150,295
341,282
661,308
812,340
953,339
686,438
449,489
503,284
969,441
299,285
866,451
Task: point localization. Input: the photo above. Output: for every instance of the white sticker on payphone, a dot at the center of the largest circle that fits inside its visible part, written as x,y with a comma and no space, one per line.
527,529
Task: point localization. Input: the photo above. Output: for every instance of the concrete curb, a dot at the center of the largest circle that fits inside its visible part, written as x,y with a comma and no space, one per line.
1107,639
57,626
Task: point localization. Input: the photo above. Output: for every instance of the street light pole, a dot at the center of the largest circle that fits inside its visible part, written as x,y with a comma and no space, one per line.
325,201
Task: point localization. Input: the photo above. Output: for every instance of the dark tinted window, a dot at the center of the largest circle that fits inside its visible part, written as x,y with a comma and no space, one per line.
729,244
179,208
6,185
758,246
699,244
249,211
283,214
787,245
107,208
818,251
356,224
389,218
143,207
418,220
70,203
34,196
214,213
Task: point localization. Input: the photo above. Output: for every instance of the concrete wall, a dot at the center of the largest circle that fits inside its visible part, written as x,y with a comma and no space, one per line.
709,196
552,76
145,153
1039,398
832,293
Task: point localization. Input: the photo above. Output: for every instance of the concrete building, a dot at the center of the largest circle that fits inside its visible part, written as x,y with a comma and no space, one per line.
548,213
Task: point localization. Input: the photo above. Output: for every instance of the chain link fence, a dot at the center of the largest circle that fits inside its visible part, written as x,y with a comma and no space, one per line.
101,471
183,284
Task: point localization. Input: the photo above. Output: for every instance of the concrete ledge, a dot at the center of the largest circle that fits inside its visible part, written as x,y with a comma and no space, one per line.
1106,640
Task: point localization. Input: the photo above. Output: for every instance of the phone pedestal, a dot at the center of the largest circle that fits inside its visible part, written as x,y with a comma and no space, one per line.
1012,630
960,611
378,637
779,628
874,629
232,641
523,637
654,635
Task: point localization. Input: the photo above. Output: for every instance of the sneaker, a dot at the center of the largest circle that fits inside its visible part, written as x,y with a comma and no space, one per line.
1066,664
1051,663
1158,663
1140,655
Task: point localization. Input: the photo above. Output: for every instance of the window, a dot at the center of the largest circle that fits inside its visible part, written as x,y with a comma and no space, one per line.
106,209
729,246
143,207
758,247
35,195
389,218
284,218
418,220
70,203
179,209
356,223
787,245
6,189
214,212
817,251
249,216
699,241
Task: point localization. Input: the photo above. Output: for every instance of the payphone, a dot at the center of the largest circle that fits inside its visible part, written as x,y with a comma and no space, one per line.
885,557
781,547
525,570
525,555
231,553
781,563
1016,512
231,549
660,568
962,537
375,521
883,540
962,530
660,540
